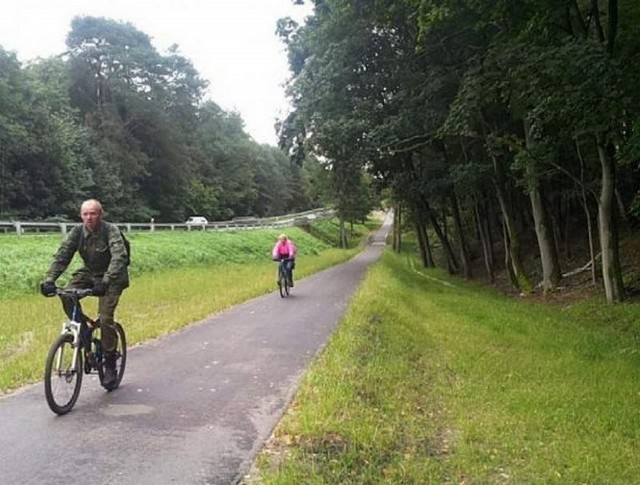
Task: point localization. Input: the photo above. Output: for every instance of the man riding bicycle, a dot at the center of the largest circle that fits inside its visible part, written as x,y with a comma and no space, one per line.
103,251
285,250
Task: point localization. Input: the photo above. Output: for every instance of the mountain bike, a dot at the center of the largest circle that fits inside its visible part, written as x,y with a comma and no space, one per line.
77,351
283,279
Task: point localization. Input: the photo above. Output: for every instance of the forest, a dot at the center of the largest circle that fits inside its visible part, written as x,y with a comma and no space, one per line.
113,118
500,132
497,130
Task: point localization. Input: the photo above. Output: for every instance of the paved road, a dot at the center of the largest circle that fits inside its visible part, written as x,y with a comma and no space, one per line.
194,407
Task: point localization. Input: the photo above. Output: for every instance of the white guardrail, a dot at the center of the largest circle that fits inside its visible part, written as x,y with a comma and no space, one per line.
244,223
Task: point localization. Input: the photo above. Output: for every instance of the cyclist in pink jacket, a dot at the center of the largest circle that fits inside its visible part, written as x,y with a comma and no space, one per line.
285,250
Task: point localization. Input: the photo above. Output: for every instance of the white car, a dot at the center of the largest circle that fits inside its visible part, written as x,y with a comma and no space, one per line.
196,221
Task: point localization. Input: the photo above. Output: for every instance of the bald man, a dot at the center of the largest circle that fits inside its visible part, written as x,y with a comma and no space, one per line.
102,249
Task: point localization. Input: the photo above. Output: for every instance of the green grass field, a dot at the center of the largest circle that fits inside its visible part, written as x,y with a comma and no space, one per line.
433,380
25,259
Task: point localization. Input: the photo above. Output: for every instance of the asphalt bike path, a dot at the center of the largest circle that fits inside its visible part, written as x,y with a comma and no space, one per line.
194,407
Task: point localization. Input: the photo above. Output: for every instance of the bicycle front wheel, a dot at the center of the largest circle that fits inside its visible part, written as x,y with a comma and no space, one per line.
63,375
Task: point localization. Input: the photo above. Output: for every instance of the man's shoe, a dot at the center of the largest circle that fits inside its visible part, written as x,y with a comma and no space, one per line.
110,377
291,283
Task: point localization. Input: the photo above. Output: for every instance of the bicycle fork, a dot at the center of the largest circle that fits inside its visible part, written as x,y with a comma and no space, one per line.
73,328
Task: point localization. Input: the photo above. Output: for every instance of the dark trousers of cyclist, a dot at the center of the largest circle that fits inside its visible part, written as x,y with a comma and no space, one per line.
288,268
106,308
289,264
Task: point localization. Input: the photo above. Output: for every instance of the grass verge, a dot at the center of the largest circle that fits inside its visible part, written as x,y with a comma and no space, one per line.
433,380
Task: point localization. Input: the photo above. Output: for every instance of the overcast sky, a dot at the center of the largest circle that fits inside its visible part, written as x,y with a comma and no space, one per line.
232,43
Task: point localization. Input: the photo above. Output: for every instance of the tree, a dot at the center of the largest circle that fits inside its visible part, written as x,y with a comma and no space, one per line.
413,90
14,135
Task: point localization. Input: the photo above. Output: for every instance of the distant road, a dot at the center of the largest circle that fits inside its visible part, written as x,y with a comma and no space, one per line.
236,224
194,407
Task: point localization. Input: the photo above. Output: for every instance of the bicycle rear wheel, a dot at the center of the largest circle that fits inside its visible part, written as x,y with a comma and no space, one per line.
63,375
121,358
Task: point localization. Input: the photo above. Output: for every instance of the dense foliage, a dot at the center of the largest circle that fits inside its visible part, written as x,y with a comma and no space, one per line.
491,124
113,118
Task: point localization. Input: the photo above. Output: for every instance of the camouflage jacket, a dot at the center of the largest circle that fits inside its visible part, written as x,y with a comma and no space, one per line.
104,255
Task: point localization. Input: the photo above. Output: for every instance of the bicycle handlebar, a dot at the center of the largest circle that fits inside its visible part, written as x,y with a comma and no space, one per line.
78,293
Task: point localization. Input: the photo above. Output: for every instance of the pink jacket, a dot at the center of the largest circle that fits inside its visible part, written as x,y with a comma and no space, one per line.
284,249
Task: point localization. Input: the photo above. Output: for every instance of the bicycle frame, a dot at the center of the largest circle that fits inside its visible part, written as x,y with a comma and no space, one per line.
79,331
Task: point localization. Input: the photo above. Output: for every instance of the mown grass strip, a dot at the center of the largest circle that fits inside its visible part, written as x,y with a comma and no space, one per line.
430,383
24,259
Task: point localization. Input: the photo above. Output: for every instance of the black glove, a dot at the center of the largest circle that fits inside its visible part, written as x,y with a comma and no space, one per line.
99,288
48,288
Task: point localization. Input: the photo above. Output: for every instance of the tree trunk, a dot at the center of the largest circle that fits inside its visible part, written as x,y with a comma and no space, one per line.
397,228
513,240
622,212
508,263
422,247
343,235
489,222
452,264
445,222
611,272
464,249
592,252
563,224
587,212
487,250
431,263
551,273
426,254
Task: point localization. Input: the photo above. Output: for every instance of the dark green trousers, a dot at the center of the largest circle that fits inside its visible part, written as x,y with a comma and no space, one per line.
106,307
